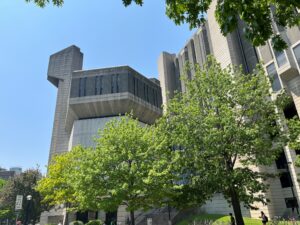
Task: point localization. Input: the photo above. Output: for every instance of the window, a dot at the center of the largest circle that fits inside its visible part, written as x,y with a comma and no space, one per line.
117,83
296,51
144,91
285,180
82,87
281,161
112,81
280,58
271,70
100,85
134,86
291,202
290,111
147,94
96,85
186,54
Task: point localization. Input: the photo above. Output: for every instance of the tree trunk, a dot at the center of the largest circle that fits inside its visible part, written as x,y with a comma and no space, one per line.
66,217
236,207
132,217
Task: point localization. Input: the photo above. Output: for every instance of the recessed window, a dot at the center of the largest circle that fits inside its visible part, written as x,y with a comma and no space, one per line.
82,87
96,85
296,51
100,85
117,83
285,180
134,86
291,202
290,111
112,81
280,58
273,75
281,161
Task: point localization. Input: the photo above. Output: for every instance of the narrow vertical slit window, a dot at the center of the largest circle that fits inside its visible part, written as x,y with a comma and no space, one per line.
79,87
117,83
84,86
96,85
147,91
133,85
100,85
112,84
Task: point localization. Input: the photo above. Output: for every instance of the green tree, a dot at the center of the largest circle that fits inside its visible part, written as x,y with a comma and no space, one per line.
294,131
23,184
2,183
224,124
255,14
120,171
285,100
4,213
57,188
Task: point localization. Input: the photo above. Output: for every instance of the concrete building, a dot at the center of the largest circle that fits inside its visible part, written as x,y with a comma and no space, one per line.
6,174
283,67
86,101
17,170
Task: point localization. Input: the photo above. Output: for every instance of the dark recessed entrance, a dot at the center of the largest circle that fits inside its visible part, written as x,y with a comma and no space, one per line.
111,218
82,216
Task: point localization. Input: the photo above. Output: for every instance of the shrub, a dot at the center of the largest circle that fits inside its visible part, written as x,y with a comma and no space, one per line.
95,222
77,222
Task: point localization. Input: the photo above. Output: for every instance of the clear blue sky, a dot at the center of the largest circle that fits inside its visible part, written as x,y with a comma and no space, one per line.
107,33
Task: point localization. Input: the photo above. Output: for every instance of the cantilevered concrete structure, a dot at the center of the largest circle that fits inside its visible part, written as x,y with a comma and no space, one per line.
86,101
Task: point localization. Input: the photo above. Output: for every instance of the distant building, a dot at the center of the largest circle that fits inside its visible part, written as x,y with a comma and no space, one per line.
6,174
17,170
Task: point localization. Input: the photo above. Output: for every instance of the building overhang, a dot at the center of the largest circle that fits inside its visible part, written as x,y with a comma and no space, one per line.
110,105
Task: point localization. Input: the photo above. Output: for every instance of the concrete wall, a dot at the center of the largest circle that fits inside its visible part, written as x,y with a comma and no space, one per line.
115,80
61,66
168,77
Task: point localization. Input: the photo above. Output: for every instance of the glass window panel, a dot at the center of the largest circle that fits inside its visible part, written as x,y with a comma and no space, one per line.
280,58
297,54
276,86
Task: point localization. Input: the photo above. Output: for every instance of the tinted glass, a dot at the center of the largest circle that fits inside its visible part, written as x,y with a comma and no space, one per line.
297,54
280,58
276,86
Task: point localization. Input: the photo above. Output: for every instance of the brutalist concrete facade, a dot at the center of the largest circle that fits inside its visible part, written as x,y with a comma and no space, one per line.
282,67
87,100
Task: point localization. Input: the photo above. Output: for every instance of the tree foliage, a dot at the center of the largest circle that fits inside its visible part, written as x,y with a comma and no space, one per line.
23,184
2,183
224,123
255,14
283,100
57,187
121,170
126,167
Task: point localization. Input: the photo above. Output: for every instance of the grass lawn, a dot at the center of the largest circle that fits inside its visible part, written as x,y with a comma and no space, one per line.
216,219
